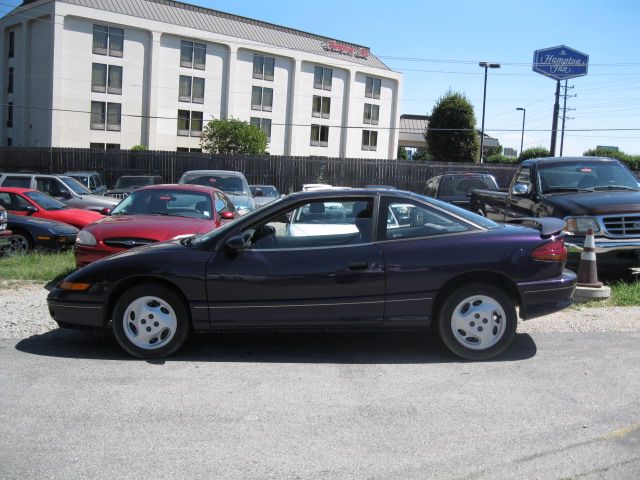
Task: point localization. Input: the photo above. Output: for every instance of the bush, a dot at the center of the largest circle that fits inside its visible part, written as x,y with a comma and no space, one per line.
632,161
535,152
500,159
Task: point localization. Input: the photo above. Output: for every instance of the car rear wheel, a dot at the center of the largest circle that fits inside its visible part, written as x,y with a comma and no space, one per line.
477,322
150,321
19,243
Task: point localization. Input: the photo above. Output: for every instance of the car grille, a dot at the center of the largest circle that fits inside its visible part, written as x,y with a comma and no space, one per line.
622,226
116,195
127,242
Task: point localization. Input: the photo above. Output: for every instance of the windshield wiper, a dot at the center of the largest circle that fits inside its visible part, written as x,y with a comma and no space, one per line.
567,189
615,187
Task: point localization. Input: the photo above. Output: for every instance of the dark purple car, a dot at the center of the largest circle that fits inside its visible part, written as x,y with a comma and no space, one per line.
333,259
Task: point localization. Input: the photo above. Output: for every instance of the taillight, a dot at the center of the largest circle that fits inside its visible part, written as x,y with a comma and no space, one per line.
554,251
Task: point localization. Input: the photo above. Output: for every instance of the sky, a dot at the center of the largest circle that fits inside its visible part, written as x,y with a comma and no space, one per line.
437,44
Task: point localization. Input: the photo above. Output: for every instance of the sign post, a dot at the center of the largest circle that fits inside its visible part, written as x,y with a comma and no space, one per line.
559,63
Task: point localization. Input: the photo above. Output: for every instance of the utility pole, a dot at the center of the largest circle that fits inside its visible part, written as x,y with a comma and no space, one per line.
554,124
564,112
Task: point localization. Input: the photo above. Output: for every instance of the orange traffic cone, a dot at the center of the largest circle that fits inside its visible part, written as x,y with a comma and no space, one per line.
587,270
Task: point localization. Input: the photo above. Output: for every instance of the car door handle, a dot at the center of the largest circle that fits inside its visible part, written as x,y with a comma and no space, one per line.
358,266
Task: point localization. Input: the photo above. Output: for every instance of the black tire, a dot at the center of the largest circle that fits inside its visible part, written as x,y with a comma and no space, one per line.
19,243
154,320
474,314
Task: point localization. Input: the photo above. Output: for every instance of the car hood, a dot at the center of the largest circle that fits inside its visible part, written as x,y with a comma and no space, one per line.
94,200
596,203
153,227
54,225
76,216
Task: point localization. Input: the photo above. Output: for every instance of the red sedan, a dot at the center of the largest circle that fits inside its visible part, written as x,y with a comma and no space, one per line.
24,201
154,214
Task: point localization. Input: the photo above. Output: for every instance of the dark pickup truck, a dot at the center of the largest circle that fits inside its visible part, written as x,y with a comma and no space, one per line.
586,192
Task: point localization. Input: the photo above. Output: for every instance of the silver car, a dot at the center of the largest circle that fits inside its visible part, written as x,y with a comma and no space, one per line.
62,187
233,184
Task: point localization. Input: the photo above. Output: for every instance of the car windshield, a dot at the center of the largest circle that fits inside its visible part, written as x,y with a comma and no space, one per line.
45,201
232,184
82,179
267,190
585,175
166,202
75,185
133,182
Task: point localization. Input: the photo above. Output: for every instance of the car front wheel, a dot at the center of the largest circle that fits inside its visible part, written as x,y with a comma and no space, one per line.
477,322
150,321
18,243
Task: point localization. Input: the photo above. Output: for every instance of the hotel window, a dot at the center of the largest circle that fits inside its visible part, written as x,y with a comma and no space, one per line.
106,115
189,123
372,87
193,55
106,78
10,115
322,78
262,99
321,106
263,124
10,82
369,140
263,67
191,89
12,44
371,114
108,41
319,135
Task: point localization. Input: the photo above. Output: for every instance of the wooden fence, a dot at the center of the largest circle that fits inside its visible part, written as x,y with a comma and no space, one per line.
286,173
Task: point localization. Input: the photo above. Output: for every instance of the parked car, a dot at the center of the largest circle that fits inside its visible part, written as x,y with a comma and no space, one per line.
448,268
31,233
24,201
233,184
61,187
5,233
128,183
263,194
587,192
456,188
91,180
154,214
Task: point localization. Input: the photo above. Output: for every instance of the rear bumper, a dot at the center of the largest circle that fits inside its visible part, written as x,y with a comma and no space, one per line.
547,296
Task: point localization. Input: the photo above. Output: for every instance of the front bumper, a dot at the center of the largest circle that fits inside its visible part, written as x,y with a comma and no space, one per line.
86,254
609,252
5,236
547,296
55,242
68,311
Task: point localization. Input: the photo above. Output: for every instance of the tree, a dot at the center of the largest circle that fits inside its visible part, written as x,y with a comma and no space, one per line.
632,161
233,137
451,135
535,152
402,153
493,151
421,155
139,148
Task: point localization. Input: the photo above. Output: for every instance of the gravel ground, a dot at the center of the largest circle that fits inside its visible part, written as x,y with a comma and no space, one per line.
23,312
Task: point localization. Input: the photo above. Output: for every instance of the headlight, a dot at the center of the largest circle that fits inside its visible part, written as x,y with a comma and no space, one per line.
581,225
85,238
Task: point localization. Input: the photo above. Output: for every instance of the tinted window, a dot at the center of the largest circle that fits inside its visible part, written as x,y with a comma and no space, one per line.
228,184
464,184
76,186
585,174
20,182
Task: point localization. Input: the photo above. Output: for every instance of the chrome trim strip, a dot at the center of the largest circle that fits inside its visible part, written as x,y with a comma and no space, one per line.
64,305
410,300
549,289
292,305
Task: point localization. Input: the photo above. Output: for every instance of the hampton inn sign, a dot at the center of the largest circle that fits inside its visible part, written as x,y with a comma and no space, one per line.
333,46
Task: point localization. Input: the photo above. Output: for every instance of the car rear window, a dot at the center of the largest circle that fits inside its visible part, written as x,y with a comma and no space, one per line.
232,184
463,185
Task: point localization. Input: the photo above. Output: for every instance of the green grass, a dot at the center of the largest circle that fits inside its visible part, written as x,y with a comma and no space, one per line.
624,293
36,267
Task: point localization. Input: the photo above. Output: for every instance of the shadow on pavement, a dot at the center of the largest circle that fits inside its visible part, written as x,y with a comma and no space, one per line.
341,348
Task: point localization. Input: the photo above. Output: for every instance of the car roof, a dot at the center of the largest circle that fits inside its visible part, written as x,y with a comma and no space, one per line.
188,187
71,174
353,192
214,172
139,176
566,159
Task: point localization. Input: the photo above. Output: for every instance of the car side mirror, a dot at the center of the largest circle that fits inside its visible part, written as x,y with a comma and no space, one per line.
237,242
105,211
520,189
30,210
227,215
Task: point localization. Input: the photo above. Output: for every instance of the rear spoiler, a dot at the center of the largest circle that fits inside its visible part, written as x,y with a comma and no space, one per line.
548,226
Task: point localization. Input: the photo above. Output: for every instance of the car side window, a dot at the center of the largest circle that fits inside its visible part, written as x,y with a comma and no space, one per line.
19,182
50,186
5,201
321,223
412,220
524,177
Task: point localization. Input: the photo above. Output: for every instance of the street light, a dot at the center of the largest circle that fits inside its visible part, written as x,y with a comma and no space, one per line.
524,113
486,66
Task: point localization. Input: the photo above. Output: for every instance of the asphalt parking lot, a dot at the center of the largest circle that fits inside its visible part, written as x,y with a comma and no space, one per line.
321,406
